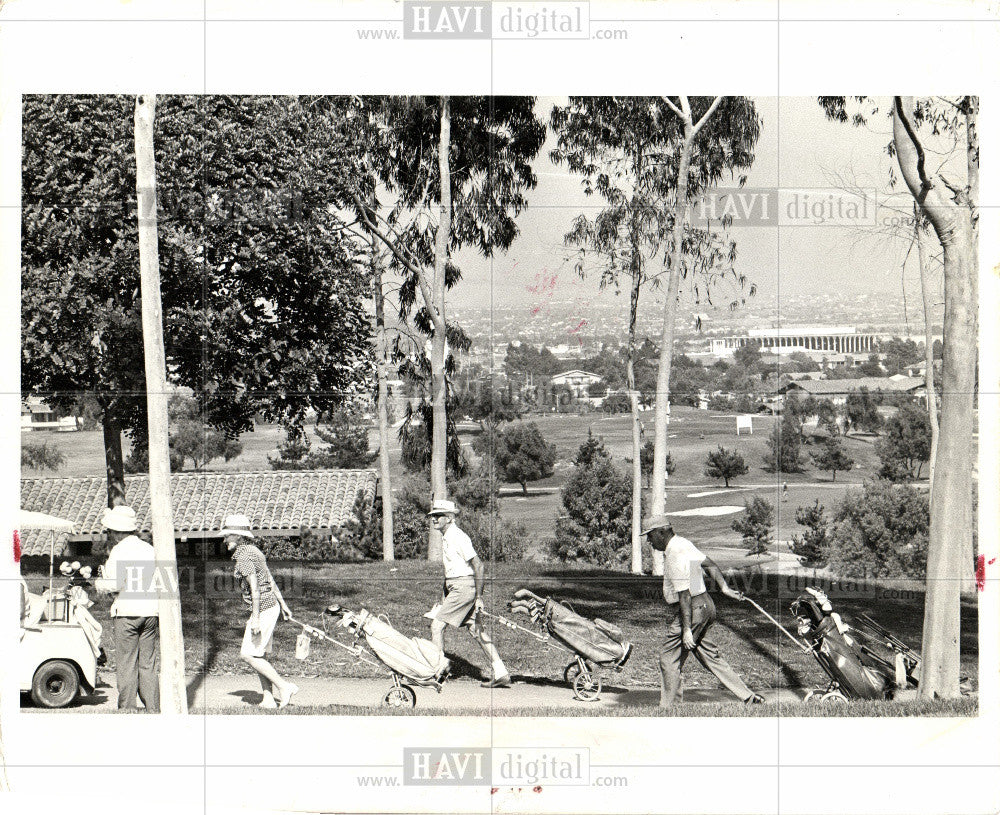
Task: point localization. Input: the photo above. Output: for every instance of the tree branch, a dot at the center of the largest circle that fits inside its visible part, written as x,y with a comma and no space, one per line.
708,115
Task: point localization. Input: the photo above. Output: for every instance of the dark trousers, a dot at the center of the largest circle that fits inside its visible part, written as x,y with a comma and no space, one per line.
674,653
137,661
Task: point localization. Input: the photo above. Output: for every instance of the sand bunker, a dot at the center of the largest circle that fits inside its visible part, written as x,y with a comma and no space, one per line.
707,511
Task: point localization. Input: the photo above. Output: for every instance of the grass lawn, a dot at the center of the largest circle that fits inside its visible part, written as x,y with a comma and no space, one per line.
694,433
959,708
214,618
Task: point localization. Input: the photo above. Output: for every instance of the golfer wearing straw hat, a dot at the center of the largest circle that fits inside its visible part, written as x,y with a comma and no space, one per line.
692,613
463,590
262,595
135,613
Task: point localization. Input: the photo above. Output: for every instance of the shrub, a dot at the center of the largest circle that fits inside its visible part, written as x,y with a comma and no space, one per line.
756,525
493,538
41,455
880,530
811,545
722,403
616,403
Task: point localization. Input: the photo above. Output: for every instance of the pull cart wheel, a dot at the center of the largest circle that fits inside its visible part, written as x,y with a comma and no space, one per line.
400,696
572,670
834,696
56,684
587,686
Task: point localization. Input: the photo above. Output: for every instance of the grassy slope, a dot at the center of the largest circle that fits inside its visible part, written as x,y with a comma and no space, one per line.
214,617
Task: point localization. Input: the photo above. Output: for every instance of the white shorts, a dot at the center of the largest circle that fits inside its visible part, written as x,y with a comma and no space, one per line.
260,644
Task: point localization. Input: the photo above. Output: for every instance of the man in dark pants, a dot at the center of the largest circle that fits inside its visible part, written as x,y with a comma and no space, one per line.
693,613
135,613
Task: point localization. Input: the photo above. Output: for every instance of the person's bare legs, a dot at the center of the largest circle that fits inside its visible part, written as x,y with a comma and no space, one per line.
267,689
267,673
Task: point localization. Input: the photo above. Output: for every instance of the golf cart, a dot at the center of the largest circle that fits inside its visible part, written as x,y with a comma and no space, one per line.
60,641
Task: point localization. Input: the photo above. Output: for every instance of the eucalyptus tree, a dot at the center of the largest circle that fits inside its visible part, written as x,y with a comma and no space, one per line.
946,192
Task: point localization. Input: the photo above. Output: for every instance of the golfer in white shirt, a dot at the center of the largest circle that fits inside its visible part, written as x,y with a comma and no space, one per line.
692,613
463,590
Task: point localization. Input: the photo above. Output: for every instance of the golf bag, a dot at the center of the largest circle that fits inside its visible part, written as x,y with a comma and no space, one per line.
597,640
417,659
855,670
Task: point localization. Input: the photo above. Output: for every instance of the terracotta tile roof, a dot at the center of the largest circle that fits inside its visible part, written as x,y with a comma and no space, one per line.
274,501
843,386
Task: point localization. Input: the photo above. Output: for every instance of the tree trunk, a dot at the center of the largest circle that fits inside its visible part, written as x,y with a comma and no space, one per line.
662,409
388,546
633,394
923,258
113,459
439,439
173,692
951,502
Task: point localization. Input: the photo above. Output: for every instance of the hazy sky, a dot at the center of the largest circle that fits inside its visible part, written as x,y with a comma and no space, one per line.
797,148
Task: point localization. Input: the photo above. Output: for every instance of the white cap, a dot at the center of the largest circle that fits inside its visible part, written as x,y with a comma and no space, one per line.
236,525
120,518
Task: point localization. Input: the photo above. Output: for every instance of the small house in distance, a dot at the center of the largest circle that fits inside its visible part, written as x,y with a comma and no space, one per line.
281,503
837,390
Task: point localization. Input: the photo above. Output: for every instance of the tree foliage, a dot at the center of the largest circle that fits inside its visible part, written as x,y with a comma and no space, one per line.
756,525
725,464
523,455
880,530
905,444
262,306
41,455
783,448
832,457
811,545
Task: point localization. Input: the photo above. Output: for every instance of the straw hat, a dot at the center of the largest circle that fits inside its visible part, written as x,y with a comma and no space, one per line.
236,525
120,519
441,507
657,522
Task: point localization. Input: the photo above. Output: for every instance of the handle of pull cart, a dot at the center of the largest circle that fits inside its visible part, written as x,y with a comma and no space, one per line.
802,646
511,624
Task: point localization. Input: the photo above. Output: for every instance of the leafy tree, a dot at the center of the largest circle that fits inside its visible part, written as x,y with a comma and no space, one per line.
880,530
747,357
782,455
262,310
725,464
861,411
900,354
905,444
41,455
523,455
811,545
870,367
832,457
756,525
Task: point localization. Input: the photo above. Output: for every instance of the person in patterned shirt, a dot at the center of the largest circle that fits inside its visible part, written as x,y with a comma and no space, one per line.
262,595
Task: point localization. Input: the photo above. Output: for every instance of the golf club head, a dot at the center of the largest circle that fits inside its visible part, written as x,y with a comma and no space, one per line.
334,609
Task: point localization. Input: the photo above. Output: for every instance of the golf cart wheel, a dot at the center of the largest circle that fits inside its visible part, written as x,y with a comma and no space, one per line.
56,684
400,696
573,670
811,696
834,696
587,686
